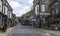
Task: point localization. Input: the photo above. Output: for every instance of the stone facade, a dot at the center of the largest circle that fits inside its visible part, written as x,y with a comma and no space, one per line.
40,8
3,12
54,11
14,20
6,11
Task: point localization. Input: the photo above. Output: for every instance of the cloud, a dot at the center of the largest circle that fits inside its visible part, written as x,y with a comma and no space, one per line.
14,4
31,1
23,11
20,7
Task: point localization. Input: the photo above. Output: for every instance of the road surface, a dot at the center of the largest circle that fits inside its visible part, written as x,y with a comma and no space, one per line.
21,30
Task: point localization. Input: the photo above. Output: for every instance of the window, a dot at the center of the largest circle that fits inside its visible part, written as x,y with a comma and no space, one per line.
10,14
0,18
53,12
43,18
4,10
56,10
37,9
42,8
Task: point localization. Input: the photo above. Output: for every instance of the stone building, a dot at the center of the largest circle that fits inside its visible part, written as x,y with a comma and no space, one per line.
54,10
36,7
10,13
27,16
3,12
40,8
6,12
14,20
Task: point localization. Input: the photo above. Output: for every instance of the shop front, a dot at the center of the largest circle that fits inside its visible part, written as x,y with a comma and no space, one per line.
53,21
3,22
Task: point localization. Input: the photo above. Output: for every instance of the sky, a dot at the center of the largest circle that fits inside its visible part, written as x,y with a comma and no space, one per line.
20,7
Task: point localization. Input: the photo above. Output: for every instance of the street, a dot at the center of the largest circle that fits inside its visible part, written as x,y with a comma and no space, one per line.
21,30
29,17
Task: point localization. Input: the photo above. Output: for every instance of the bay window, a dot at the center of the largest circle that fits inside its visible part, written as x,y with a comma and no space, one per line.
42,8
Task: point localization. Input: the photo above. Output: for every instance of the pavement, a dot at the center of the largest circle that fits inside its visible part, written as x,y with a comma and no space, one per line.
31,31
47,32
52,32
7,32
